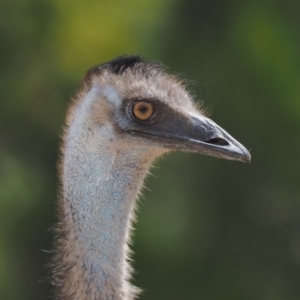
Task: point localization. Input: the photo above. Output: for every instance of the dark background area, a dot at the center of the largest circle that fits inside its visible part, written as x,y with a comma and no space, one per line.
208,229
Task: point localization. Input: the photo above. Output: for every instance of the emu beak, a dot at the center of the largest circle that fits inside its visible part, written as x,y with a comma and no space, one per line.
201,135
206,137
193,133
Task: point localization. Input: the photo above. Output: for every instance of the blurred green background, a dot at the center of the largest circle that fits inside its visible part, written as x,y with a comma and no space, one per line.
208,229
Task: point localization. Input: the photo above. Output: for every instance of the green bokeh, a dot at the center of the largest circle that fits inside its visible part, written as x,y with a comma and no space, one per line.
208,229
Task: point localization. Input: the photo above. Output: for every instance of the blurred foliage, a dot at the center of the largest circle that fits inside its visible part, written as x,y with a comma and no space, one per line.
208,229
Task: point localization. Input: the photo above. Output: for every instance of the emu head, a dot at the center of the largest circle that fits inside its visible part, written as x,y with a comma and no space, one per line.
141,106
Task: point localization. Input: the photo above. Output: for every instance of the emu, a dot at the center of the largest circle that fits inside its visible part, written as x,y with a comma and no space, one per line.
126,113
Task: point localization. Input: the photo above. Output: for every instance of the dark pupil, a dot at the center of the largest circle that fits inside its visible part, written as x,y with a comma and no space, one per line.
143,109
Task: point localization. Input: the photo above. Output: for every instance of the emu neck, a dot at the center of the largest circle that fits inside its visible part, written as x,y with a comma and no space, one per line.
101,180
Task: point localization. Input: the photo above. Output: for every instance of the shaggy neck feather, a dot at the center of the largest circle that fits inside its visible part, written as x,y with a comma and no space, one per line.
100,183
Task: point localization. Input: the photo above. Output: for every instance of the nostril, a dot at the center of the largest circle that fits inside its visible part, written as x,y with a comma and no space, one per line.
217,141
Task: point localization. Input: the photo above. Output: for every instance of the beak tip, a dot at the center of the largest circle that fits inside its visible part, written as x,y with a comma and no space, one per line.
246,157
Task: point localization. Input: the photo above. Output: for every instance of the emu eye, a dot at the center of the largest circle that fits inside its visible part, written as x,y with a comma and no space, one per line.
142,110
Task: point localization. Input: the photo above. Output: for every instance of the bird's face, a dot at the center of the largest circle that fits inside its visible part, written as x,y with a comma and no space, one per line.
155,111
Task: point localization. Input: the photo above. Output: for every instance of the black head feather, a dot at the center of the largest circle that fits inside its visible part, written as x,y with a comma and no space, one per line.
121,64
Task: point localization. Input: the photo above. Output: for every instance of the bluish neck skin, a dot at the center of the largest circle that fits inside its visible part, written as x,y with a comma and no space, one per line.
101,180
